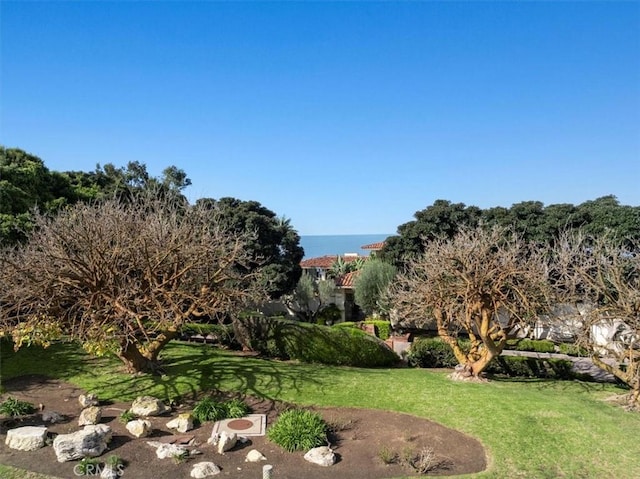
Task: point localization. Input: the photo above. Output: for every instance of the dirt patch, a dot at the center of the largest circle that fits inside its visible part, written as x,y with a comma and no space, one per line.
361,439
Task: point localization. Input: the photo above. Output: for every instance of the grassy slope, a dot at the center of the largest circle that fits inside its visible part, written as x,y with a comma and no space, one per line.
530,428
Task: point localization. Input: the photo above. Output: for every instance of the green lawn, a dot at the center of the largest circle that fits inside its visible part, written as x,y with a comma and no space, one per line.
531,429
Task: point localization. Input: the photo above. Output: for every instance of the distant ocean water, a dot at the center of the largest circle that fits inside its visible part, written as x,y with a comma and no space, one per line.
321,245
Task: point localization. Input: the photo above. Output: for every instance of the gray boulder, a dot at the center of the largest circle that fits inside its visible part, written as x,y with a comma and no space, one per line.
89,442
227,441
139,427
26,438
171,450
183,423
87,400
52,417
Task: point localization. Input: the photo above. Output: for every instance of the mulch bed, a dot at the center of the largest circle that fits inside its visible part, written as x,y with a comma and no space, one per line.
361,439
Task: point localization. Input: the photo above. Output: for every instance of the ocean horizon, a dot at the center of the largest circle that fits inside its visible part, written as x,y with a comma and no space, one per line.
321,245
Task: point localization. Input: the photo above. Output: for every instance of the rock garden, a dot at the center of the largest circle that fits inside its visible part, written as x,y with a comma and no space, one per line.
69,433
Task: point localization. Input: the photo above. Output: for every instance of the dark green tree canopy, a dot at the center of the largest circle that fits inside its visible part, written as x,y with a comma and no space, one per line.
275,245
532,220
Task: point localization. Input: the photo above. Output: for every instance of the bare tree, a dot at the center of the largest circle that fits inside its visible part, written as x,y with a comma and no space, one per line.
603,278
480,284
123,277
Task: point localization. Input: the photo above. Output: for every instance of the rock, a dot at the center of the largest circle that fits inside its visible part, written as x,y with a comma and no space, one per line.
88,442
109,472
323,456
171,450
147,406
52,417
213,440
90,415
183,423
139,427
102,429
254,456
88,400
227,441
204,469
26,438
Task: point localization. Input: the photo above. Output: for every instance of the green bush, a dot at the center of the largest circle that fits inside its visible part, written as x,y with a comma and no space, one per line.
126,416
383,328
207,409
520,366
433,353
537,346
236,408
572,350
298,430
15,408
286,339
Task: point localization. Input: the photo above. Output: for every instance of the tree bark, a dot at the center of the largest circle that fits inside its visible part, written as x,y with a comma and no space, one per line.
152,350
133,359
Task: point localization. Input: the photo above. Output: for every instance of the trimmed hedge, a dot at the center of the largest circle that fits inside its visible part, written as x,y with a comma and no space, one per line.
311,343
536,346
383,328
435,353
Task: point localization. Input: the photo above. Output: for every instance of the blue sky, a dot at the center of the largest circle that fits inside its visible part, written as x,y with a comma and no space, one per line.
346,117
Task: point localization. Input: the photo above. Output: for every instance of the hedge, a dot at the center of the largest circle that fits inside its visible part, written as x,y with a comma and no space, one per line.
382,328
311,343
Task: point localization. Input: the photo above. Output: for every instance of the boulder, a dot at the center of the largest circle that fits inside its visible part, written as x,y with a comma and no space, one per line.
52,417
183,423
139,427
204,469
323,456
171,450
26,438
227,441
88,442
87,400
254,456
147,406
90,415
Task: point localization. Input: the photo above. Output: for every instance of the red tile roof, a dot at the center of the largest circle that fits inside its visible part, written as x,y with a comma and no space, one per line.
326,261
374,246
347,280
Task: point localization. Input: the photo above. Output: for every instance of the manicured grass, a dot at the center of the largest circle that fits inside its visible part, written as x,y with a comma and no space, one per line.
539,429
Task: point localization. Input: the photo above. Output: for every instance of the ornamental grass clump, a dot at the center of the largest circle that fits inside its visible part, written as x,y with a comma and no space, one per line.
14,407
298,430
209,410
236,408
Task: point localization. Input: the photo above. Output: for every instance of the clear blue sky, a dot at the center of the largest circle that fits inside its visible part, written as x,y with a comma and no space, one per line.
346,117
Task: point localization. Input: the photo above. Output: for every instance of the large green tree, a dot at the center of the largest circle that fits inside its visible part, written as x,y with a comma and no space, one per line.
371,283
275,244
124,276
443,219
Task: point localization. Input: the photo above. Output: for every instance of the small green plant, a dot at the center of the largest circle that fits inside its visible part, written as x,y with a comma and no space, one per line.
209,410
14,407
387,456
298,429
114,461
181,457
87,466
236,408
126,416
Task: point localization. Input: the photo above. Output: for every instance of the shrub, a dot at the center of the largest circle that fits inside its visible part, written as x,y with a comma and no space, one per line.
518,366
87,466
383,328
14,407
432,353
298,429
282,338
236,408
209,410
572,350
537,346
